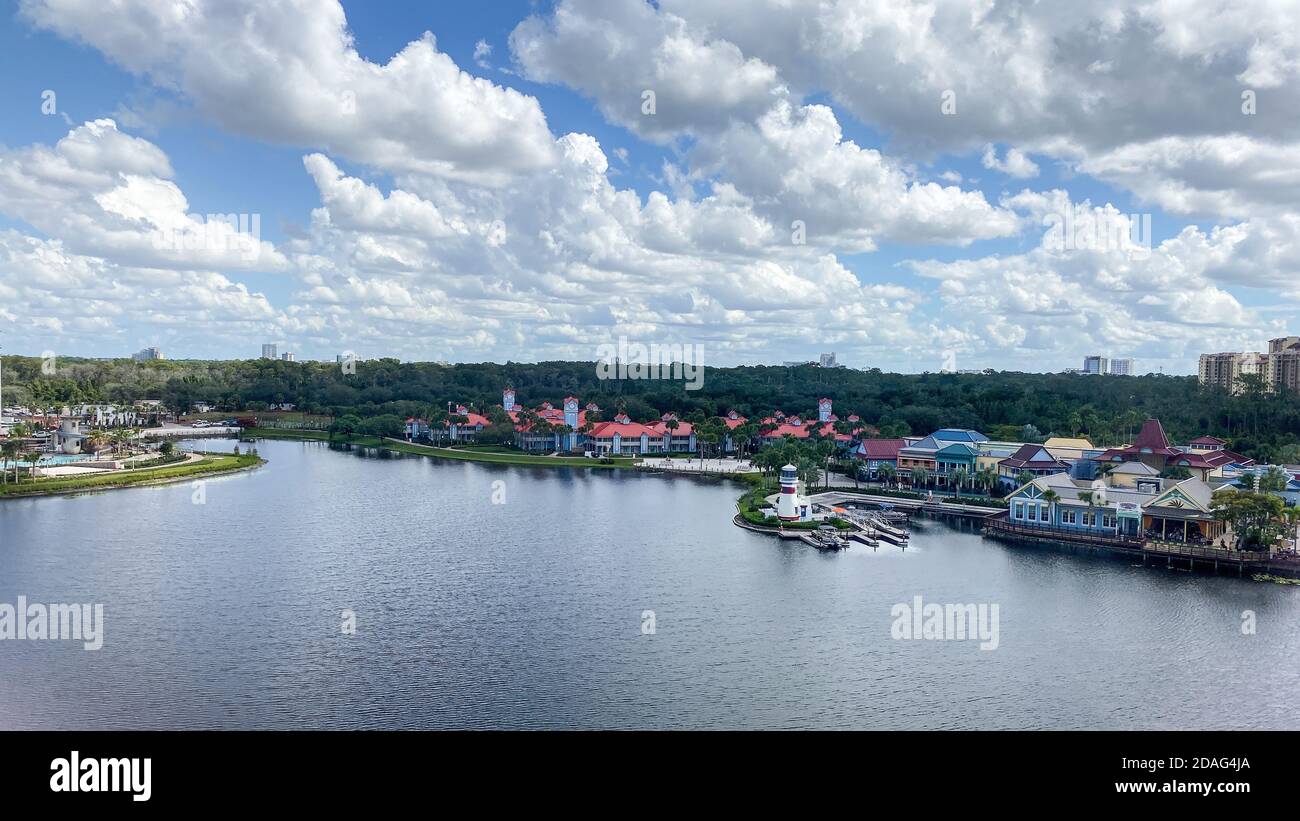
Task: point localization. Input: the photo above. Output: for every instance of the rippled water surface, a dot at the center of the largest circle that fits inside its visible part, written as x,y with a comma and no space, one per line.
529,613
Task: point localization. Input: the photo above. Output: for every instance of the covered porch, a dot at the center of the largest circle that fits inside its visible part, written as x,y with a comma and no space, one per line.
1182,527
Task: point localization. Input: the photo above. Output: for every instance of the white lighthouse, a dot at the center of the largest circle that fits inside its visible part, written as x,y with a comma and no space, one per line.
787,506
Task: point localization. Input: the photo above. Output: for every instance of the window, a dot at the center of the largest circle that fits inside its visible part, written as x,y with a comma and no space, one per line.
1069,517
1043,514
1090,520
1108,521
1018,511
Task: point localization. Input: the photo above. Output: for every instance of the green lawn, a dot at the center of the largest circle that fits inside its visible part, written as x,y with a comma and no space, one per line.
506,456
276,433
212,463
496,454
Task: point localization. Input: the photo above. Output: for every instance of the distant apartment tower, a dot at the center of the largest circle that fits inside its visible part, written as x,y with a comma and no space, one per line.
268,351
1221,370
288,356
1121,367
1283,369
827,360
147,355
1095,364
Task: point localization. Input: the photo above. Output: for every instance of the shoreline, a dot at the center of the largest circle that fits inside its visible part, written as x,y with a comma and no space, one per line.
455,454
131,480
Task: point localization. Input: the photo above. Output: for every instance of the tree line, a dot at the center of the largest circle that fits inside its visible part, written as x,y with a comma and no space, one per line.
1005,405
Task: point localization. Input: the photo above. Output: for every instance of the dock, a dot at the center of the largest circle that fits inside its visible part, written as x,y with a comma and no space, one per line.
841,497
1149,552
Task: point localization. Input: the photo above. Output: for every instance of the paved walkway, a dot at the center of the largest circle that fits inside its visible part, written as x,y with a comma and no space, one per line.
75,468
681,465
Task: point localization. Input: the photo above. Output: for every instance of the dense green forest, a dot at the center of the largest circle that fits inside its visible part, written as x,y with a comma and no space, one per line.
1004,405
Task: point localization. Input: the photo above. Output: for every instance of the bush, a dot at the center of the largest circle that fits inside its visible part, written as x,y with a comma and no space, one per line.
976,501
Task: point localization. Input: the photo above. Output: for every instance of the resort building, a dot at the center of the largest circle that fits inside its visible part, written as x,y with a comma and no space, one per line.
1152,449
1134,476
877,453
1035,460
918,455
953,458
1206,444
1174,511
1182,513
548,428
462,426
1089,507
778,426
923,454
625,437
1070,449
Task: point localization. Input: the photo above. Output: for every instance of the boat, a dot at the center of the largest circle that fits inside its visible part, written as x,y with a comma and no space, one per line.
892,538
864,538
888,532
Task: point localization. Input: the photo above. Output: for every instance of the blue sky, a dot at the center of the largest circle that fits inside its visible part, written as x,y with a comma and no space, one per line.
568,218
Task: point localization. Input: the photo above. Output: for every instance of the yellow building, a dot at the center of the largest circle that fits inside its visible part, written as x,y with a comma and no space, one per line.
1064,447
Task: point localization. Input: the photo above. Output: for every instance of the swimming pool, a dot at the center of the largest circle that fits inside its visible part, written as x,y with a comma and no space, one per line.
48,459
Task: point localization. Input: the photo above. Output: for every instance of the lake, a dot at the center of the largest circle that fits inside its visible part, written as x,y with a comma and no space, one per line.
505,597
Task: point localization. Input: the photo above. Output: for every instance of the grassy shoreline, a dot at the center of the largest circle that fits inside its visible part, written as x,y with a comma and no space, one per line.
493,456
212,465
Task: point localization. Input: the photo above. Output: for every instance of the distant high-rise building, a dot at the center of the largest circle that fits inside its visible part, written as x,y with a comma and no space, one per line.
1221,370
1095,364
1121,367
1285,344
827,360
268,351
1283,370
288,356
147,355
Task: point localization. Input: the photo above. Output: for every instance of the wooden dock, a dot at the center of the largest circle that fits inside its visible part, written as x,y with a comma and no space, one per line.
840,497
1150,552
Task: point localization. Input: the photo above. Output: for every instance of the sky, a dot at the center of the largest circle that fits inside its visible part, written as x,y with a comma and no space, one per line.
914,186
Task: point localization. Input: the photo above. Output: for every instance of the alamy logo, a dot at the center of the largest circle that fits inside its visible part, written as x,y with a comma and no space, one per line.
77,774
1081,228
53,622
636,360
950,622
241,233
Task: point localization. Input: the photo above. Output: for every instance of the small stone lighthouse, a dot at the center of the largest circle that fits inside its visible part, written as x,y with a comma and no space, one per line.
787,506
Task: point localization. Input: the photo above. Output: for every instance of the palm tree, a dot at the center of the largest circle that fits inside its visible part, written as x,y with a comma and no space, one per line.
1051,497
959,477
10,450
917,476
34,457
122,441
824,449
672,425
1292,515
887,472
